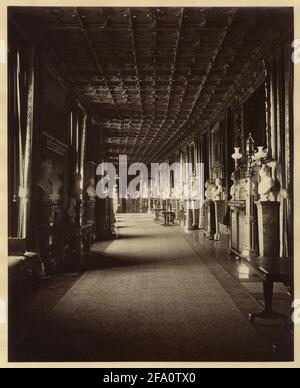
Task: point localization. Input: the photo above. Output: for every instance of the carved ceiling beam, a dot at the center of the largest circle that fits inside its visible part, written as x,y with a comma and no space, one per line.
95,56
137,78
154,84
206,78
172,75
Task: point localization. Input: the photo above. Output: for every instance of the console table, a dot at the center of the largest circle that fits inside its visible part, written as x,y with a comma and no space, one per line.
271,270
169,217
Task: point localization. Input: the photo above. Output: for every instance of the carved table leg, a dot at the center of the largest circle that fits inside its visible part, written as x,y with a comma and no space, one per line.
268,312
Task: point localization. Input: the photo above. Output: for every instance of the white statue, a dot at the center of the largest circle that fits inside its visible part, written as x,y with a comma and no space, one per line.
77,191
210,190
44,182
219,191
235,188
91,189
266,185
207,191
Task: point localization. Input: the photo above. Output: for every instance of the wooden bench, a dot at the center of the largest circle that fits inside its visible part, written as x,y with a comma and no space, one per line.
270,270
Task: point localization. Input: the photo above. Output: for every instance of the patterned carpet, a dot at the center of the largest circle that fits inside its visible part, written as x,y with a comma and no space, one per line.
149,297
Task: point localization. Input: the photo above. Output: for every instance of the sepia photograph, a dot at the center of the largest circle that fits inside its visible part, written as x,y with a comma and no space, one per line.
150,184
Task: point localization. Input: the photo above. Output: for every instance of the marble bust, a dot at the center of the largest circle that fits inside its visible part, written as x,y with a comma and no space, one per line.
77,191
219,191
235,188
210,190
207,191
44,182
91,189
266,185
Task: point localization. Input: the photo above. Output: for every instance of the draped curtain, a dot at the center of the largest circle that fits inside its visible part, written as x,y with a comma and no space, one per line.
24,106
282,141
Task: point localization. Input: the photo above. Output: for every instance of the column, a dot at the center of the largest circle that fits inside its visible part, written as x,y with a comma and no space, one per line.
196,211
190,204
149,203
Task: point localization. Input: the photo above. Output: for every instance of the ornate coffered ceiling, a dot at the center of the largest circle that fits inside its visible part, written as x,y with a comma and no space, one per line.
156,76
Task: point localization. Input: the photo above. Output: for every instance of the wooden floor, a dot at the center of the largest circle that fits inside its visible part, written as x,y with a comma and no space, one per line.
154,294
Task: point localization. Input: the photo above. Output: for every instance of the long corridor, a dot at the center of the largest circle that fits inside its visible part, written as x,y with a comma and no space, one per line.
150,296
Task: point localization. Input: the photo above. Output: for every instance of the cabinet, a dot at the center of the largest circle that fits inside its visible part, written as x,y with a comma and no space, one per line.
237,226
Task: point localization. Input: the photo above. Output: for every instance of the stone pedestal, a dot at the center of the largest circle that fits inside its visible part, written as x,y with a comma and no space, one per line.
149,206
90,206
104,219
178,207
196,218
201,217
220,210
189,220
250,249
209,219
196,215
268,228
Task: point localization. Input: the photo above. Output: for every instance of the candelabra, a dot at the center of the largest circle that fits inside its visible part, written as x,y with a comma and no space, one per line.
253,156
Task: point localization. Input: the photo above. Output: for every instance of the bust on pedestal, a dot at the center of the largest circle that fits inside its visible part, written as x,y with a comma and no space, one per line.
91,189
219,198
218,193
235,188
209,210
266,185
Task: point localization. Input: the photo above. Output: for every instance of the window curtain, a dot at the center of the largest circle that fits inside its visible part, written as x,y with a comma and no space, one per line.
25,138
83,149
282,141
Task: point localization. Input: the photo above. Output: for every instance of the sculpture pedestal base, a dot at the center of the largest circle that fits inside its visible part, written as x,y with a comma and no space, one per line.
189,216
196,219
209,220
268,228
189,220
220,211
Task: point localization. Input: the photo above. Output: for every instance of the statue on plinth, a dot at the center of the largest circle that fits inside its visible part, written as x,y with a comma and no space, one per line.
266,185
77,191
218,193
235,188
208,192
91,189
